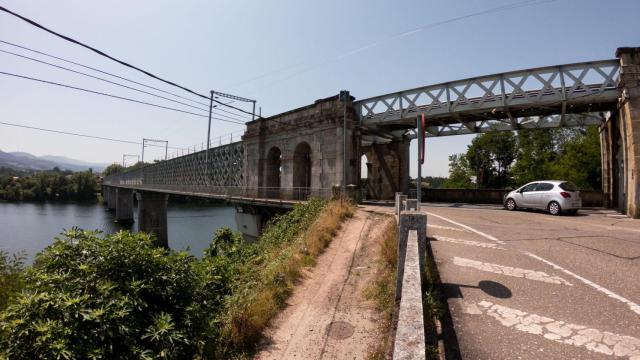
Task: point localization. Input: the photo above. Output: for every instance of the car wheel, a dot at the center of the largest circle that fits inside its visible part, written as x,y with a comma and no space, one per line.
554,208
510,204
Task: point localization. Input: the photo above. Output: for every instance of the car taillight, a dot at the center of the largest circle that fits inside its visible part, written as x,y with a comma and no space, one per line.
565,194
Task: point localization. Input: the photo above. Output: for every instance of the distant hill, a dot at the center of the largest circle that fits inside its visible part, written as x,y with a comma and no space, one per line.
26,161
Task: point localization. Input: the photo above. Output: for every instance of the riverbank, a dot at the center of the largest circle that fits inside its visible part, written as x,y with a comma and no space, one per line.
144,301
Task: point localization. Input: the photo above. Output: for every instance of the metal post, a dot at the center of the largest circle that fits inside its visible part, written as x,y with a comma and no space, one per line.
142,167
166,150
419,182
206,157
253,112
344,97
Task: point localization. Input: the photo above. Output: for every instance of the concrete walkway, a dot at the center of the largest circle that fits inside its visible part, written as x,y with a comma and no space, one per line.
328,317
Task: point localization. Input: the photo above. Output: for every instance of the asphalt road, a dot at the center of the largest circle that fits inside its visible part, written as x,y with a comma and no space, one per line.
528,285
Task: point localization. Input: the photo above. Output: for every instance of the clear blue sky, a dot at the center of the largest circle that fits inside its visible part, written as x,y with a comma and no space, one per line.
305,48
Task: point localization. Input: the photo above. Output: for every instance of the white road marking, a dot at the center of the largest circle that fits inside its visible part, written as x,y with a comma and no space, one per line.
467,227
445,227
603,342
467,242
511,271
633,306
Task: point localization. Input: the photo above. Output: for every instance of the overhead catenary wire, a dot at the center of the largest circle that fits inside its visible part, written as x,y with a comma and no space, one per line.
114,96
81,135
115,83
101,71
121,62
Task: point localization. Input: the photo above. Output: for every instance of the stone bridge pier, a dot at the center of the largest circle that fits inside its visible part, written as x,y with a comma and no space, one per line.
300,153
124,206
152,215
620,140
387,169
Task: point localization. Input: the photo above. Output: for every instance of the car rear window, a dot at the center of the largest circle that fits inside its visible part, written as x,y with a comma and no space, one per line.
568,186
544,187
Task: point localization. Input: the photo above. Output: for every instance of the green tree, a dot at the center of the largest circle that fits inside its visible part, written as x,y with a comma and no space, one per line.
459,173
579,160
536,150
112,169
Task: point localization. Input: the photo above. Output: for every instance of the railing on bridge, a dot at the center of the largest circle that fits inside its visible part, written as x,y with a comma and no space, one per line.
540,97
236,193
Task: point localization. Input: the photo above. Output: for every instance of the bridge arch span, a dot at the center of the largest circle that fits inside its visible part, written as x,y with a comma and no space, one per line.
273,171
302,164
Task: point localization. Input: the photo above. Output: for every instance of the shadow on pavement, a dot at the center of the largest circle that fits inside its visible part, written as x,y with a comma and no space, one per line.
491,288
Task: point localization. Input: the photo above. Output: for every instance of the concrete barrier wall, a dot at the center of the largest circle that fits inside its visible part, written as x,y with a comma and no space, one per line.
590,198
410,340
410,335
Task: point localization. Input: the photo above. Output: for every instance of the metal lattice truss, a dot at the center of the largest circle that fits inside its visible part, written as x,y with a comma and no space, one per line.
541,97
537,122
223,168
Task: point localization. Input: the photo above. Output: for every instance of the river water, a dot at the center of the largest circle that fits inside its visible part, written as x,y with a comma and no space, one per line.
33,226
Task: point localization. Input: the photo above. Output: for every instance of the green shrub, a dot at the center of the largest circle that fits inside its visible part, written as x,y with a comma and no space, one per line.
11,277
120,297
113,297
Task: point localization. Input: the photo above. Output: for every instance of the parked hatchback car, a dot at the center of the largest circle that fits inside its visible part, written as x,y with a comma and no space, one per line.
555,196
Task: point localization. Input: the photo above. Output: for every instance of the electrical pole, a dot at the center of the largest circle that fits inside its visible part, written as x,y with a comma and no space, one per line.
344,98
206,156
420,155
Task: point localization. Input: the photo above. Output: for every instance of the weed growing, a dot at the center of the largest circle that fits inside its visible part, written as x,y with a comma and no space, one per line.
382,290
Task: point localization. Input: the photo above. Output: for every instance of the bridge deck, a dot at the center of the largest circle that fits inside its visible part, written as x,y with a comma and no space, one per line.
281,199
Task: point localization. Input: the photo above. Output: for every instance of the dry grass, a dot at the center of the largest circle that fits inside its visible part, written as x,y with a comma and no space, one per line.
382,290
278,270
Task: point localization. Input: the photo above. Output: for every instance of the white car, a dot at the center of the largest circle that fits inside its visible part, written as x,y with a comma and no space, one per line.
555,196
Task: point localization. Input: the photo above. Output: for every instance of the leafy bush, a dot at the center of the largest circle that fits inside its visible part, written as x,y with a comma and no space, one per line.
120,297
112,297
11,277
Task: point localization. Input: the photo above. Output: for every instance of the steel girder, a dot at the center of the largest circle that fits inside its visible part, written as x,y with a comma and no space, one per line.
506,101
224,168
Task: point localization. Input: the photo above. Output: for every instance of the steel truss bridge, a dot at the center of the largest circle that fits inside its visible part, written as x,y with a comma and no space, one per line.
553,96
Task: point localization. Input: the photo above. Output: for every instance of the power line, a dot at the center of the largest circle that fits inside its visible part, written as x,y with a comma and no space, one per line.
100,71
79,134
114,96
101,53
116,83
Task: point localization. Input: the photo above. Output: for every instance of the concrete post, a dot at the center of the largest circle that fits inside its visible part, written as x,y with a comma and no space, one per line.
124,206
629,106
111,198
105,195
410,220
412,204
398,203
152,215
249,221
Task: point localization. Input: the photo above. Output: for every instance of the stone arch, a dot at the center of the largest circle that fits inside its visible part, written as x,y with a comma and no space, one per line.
302,165
384,177
273,171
